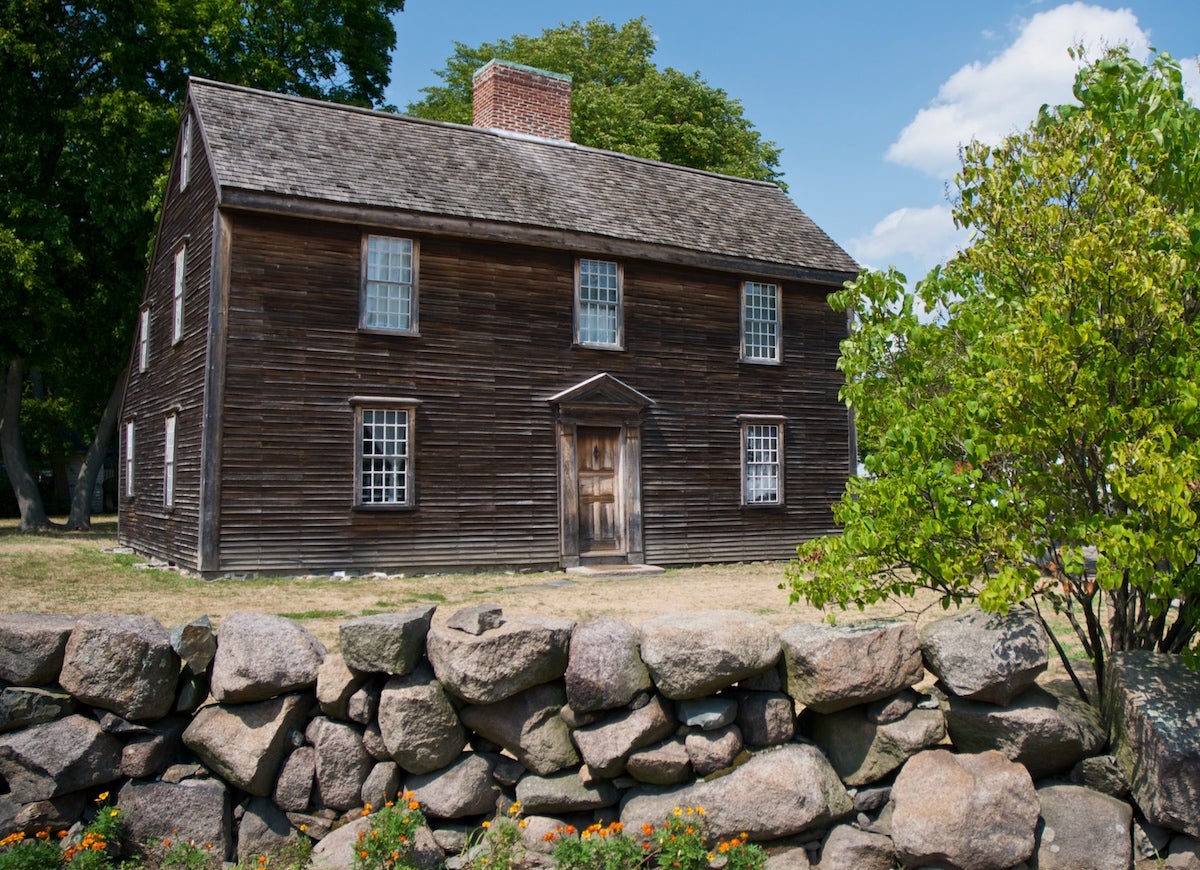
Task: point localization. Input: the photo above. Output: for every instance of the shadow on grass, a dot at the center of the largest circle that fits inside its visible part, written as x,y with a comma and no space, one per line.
103,526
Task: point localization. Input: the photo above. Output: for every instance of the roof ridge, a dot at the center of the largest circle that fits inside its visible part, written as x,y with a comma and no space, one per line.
470,128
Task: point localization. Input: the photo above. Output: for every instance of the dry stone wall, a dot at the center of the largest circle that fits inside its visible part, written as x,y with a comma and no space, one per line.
855,746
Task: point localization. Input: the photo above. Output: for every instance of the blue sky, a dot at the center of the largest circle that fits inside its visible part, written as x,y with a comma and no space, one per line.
869,100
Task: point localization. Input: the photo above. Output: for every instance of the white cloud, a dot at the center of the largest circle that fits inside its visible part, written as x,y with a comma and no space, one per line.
987,101
919,236
1191,77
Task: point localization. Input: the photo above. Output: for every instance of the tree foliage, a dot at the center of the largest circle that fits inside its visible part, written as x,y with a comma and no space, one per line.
91,96
621,101
1051,403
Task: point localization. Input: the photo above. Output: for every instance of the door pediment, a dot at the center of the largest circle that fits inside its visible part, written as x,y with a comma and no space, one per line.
602,391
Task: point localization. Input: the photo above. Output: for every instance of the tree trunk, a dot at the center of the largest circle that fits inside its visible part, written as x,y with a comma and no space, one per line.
12,448
81,500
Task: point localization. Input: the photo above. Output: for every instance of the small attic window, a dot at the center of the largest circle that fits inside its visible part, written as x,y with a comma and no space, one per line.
185,154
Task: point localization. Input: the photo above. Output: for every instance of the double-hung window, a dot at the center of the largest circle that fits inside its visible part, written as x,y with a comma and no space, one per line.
185,153
144,340
385,454
760,322
598,319
762,460
169,462
177,294
129,459
389,285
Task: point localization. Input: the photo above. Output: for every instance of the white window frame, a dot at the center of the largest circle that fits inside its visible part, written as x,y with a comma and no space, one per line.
185,154
395,488
761,323
129,444
169,435
588,310
762,463
178,288
144,340
380,282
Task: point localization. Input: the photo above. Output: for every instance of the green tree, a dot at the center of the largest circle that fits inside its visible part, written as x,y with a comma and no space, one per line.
91,98
1039,395
620,100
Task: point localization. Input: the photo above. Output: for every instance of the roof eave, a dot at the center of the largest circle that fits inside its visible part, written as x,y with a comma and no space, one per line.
240,199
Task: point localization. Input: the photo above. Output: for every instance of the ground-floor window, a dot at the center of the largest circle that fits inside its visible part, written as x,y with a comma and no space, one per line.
762,460
385,456
129,459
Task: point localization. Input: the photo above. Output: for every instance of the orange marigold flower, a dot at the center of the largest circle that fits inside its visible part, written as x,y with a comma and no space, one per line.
208,847
389,804
647,829
166,841
414,805
363,853
690,830
570,829
62,833
43,835
486,824
408,795
303,827
548,837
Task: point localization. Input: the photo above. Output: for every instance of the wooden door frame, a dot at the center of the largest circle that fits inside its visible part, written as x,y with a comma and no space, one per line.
601,401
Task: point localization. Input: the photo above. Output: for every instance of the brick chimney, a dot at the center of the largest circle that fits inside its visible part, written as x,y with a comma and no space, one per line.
521,99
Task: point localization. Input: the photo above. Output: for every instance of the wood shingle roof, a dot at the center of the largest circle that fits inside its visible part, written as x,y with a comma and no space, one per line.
281,153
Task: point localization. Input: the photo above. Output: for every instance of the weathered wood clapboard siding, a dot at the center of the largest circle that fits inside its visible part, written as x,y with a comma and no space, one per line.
495,342
174,381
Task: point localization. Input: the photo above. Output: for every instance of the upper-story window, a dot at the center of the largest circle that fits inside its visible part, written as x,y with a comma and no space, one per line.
185,154
598,320
177,294
760,322
389,285
762,461
143,340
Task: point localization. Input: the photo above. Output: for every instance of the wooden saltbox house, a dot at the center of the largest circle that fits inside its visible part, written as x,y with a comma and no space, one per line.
371,342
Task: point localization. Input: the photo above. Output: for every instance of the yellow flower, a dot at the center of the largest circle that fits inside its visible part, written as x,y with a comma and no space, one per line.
700,810
678,811
103,796
303,827
522,824
113,814
486,824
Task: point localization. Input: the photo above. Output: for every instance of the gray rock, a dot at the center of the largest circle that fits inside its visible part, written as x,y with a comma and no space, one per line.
710,751
382,784
790,858
1082,829
563,793
478,619
707,714
483,669
832,667
342,763
990,657
121,663
1047,728
695,654
418,723
261,656
293,786
195,809
527,725
59,757
263,830
373,741
31,647
464,788
765,718
195,644
336,683
863,752
336,850
244,743
606,745
23,705
1150,702
898,706
977,811
363,705
665,763
1101,773
777,793
55,813
385,643
605,669
191,692
1184,853
146,755
868,800
848,848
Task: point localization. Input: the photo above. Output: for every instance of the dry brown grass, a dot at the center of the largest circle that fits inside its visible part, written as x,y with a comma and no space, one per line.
71,572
